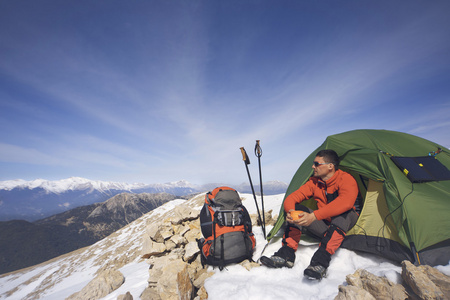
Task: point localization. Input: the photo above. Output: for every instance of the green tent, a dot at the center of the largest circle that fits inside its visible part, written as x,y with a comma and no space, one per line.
405,192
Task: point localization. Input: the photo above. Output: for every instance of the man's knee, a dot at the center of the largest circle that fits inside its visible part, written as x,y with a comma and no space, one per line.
292,237
346,220
332,239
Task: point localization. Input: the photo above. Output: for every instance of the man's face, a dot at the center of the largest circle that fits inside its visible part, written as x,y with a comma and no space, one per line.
321,168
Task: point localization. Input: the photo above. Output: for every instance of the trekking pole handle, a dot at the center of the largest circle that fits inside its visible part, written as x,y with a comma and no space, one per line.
258,150
245,157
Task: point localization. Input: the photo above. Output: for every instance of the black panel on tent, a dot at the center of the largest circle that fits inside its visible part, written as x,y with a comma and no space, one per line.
422,168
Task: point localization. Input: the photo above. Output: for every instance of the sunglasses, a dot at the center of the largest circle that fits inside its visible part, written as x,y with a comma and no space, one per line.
316,164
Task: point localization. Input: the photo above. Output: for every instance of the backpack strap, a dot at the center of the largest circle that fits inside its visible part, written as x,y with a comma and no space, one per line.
207,196
215,238
222,253
248,247
200,243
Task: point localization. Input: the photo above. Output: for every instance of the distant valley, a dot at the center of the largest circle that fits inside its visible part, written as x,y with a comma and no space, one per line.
24,244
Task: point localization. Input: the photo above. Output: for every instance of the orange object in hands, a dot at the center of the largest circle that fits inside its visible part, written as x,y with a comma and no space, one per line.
295,214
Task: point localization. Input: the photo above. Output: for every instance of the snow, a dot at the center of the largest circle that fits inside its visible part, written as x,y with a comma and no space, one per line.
78,183
68,184
234,282
136,275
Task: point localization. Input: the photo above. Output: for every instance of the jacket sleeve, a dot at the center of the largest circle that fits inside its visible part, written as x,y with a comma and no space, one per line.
305,192
348,191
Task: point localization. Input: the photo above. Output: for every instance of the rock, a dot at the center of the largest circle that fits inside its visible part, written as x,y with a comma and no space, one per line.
351,292
167,284
178,240
439,279
195,268
151,248
178,253
378,287
355,279
194,233
153,232
185,287
127,296
163,275
181,230
254,218
159,232
419,282
166,230
106,282
201,277
249,264
170,245
202,294
150,293
183,213
191,251
267,218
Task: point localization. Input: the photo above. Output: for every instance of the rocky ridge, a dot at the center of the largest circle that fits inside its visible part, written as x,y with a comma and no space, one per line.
176,272
170,247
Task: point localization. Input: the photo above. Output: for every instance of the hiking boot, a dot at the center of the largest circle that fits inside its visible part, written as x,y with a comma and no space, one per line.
275,262
284,257
315,272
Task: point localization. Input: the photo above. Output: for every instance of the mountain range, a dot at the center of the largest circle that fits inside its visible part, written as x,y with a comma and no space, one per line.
38,199
24,243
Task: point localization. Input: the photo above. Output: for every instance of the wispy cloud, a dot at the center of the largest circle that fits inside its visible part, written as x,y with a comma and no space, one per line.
23,155
175,90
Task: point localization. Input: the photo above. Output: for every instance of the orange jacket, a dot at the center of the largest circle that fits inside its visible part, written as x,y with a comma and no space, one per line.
342,183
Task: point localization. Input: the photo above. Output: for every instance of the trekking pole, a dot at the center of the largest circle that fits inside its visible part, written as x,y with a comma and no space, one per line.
258,153
246,163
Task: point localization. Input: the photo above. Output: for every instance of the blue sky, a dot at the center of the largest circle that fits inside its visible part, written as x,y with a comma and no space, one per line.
158,91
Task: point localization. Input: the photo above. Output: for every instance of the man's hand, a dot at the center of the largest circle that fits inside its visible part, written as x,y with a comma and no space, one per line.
305,218
289,217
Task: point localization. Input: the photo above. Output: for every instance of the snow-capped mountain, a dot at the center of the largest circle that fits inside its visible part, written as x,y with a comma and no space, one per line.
37,199
78,183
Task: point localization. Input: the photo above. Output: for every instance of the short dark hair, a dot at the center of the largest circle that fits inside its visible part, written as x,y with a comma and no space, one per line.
329,156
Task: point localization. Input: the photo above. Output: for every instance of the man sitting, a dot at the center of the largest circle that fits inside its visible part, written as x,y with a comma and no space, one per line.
335,192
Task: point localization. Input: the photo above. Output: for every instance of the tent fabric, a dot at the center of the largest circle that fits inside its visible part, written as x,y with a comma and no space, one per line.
400,219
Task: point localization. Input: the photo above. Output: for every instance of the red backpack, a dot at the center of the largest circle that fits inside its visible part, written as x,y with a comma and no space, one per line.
226,227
